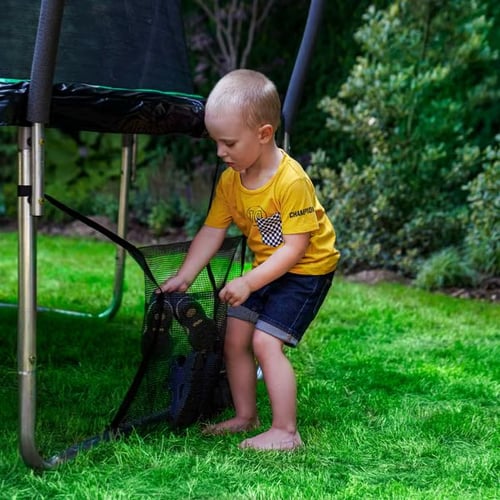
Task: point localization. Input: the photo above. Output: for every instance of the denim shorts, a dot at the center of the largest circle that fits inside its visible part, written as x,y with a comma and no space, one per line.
285,307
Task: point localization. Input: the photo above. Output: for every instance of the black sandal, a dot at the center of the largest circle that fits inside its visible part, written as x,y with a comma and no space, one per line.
157,322
202,330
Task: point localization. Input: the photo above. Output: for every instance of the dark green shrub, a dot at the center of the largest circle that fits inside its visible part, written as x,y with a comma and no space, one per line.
83,171
425,74
447,268
8,171
482,243
163,215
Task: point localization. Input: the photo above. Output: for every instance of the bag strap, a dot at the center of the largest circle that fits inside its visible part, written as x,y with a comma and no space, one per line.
243,237
210,273
134,252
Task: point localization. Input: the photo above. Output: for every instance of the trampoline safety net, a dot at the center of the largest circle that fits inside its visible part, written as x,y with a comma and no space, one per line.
117,43
181,377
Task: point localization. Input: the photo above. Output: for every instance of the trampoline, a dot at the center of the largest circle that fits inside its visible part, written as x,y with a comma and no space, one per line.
119,66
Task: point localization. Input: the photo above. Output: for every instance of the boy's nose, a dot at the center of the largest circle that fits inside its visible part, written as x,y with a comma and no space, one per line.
221,150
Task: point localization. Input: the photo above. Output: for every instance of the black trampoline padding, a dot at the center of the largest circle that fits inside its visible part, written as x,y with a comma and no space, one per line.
108,51
103,109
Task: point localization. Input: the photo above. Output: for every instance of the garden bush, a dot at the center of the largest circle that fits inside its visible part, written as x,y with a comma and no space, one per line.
482,243
414,107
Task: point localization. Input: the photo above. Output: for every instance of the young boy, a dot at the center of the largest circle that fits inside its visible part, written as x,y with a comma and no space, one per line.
271,199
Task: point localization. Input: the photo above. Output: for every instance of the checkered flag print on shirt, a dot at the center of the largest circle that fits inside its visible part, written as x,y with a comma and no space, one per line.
270,230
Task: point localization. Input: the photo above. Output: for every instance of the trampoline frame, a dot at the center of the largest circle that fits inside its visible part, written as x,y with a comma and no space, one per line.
27,296
31,154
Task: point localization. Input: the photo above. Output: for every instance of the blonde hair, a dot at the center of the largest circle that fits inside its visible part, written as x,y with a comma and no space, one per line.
252,93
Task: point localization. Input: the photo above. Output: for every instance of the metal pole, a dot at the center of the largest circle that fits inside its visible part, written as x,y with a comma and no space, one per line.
26,346
31,194
129,154
301,66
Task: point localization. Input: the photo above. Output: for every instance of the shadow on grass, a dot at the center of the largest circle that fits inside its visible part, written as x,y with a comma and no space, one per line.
84,368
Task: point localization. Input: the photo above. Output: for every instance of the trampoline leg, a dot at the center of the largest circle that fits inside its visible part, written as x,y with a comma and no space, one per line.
128,163
129,143
26,350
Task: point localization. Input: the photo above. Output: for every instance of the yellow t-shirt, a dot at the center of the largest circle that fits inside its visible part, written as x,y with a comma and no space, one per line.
286,204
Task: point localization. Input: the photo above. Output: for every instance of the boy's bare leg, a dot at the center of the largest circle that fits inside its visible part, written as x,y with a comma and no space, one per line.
281,387
241,373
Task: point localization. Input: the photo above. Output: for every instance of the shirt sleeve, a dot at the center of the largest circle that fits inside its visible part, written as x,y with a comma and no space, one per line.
298,208
219,214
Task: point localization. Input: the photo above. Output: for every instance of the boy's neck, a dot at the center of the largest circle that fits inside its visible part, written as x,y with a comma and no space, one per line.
260,173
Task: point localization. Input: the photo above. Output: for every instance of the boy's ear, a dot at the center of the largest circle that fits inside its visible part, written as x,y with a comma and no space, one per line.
266,132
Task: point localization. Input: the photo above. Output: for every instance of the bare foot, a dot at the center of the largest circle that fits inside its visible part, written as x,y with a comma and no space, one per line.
274,439
232,426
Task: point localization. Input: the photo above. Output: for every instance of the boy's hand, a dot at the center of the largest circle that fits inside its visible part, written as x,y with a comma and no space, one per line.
235,292
173,284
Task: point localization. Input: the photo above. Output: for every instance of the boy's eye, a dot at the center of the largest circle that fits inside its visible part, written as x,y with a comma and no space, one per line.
229,144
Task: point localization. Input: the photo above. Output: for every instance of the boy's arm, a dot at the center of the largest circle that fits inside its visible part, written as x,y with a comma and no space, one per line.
203,247
294,248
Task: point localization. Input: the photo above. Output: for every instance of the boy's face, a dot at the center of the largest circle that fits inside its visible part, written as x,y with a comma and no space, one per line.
238,145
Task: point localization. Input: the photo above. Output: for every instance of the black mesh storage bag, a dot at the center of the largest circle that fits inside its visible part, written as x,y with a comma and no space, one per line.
181,378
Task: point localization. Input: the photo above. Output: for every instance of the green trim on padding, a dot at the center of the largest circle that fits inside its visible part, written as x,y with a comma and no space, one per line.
10,80
152,91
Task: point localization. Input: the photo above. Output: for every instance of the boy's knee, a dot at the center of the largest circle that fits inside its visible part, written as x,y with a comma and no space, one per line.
265,345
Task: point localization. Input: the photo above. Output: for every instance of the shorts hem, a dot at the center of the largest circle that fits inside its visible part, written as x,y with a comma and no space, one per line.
274,331
243,313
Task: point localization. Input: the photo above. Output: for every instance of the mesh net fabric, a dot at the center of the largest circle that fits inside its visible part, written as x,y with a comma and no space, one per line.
127,44
181,377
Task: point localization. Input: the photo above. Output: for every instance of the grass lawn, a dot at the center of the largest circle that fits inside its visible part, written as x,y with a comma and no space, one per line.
398,396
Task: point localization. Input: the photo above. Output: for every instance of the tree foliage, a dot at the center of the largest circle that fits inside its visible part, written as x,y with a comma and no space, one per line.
225,42
416,113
